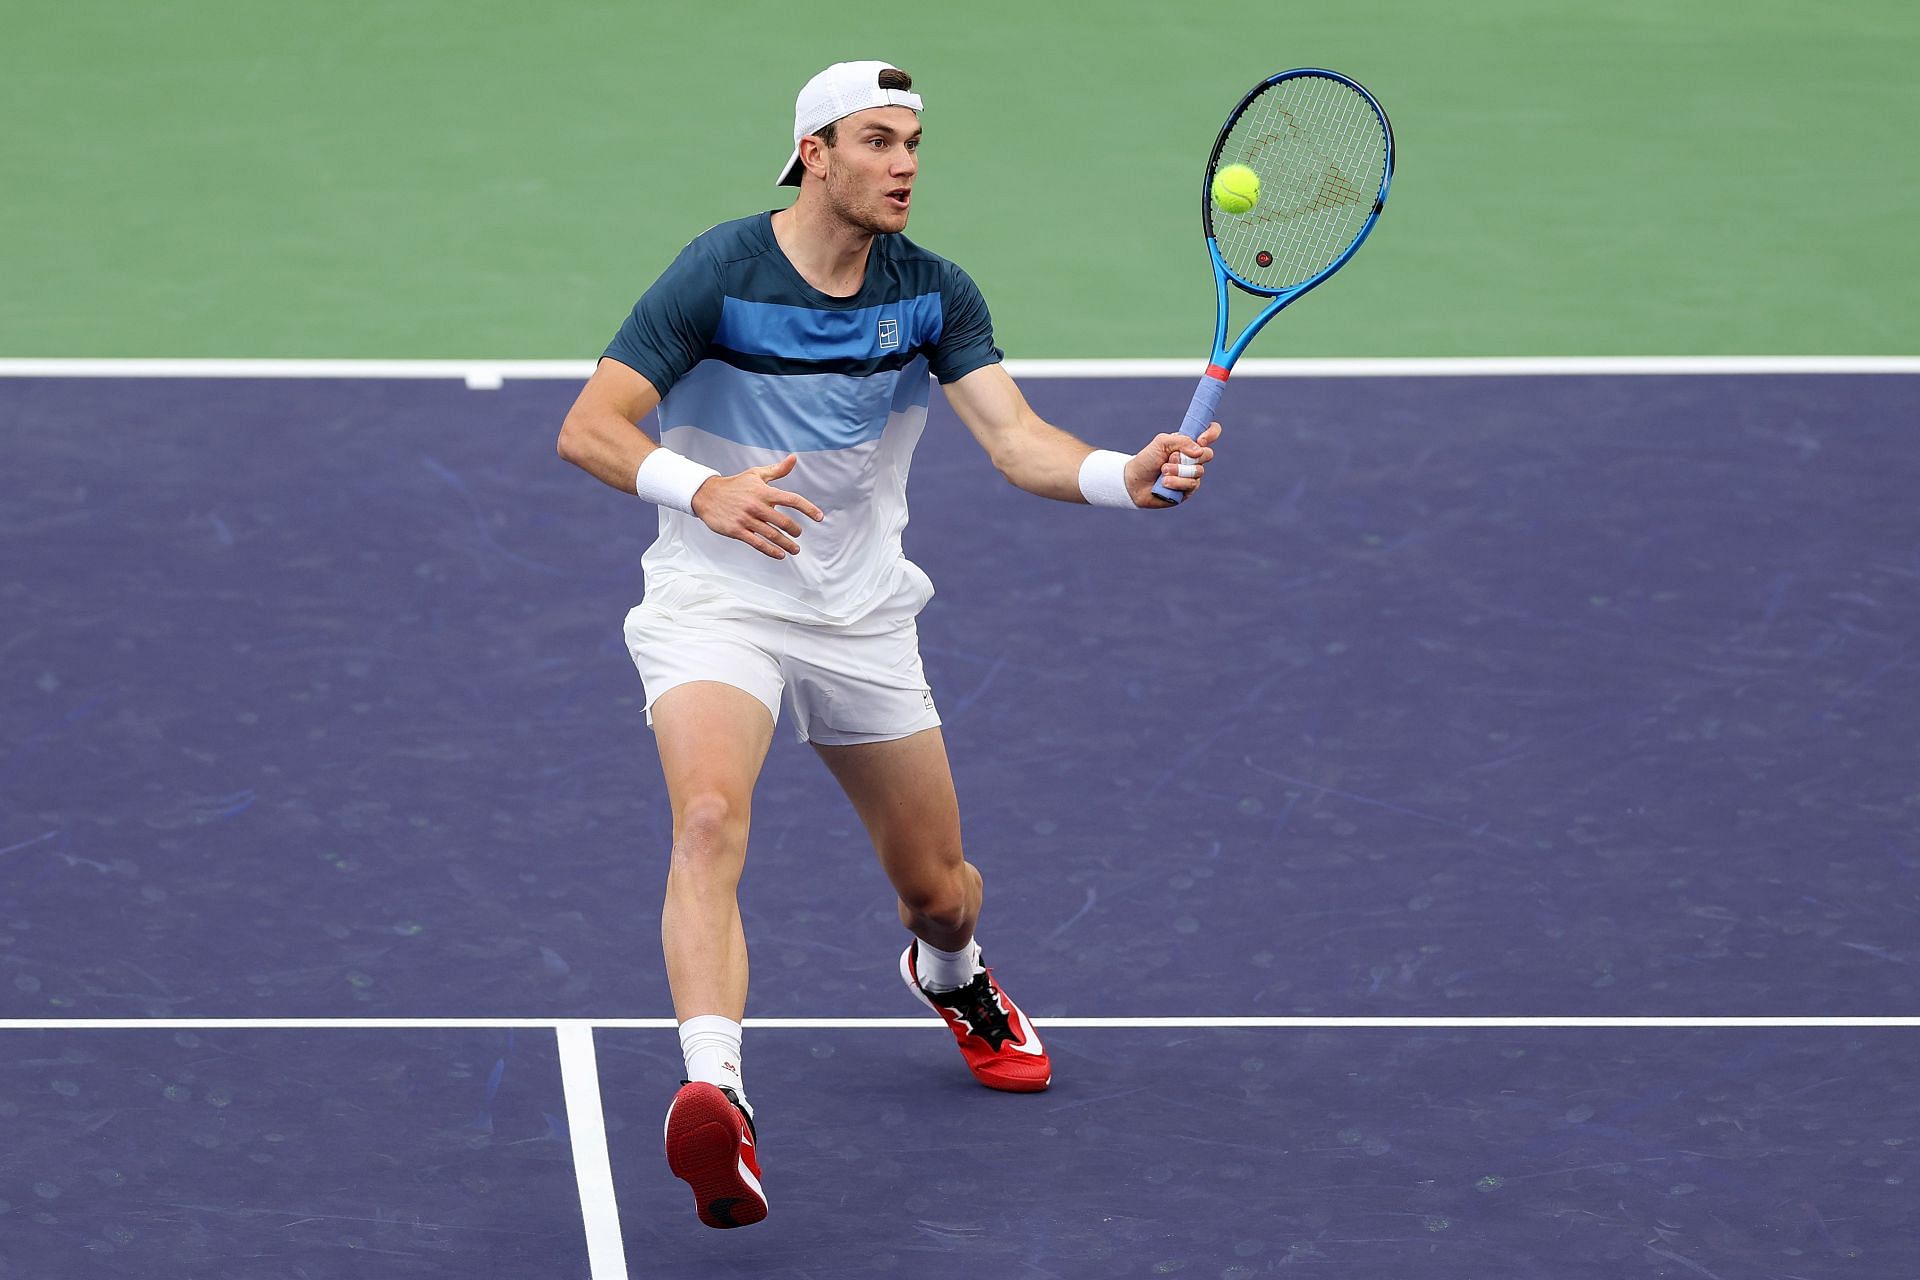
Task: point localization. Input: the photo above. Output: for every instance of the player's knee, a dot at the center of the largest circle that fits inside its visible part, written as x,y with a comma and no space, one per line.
710,829
940,900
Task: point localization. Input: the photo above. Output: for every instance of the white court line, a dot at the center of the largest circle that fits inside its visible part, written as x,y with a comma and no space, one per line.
1471,366
587,1125
488,375
586,1025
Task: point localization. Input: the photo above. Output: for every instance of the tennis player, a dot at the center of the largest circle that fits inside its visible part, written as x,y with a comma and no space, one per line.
789,357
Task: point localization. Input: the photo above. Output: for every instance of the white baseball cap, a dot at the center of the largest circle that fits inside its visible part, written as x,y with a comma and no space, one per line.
839,91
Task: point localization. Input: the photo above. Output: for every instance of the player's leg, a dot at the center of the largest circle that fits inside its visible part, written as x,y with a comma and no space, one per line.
713,687
712,739
902,788
903,792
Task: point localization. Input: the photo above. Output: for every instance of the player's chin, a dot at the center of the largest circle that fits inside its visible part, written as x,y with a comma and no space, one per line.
880,222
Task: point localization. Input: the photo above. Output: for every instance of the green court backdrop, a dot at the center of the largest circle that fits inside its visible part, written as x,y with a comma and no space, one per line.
492,180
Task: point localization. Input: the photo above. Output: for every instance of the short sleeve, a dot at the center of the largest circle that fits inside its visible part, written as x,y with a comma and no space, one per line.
966,330
670,328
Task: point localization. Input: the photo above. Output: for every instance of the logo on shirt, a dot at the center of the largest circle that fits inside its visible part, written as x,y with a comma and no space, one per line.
889,334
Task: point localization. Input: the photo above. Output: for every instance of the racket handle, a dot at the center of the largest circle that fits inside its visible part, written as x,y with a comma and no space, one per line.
1206,400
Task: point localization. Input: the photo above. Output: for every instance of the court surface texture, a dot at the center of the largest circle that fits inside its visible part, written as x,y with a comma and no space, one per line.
1480,837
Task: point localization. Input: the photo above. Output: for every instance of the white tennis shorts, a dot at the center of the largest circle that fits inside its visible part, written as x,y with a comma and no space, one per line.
861,682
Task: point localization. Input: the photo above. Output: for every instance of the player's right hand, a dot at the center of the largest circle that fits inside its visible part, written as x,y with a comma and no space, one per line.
746,507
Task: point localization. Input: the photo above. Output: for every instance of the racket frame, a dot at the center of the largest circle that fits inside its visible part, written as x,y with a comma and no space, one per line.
1206,396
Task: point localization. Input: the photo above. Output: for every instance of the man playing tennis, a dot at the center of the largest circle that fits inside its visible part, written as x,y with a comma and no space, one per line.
789,356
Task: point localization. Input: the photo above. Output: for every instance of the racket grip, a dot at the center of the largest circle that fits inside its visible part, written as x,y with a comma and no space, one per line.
1200,411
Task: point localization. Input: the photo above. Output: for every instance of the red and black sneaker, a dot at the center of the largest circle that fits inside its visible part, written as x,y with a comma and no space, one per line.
1001,1047
710,1147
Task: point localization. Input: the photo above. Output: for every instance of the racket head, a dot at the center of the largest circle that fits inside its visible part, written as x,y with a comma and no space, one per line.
1323,149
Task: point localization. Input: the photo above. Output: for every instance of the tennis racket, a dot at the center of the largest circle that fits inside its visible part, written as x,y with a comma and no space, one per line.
1323,152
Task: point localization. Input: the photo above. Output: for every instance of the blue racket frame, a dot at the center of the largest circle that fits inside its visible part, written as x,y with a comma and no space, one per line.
1213,383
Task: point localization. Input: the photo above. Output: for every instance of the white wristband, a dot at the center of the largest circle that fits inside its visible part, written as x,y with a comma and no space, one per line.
669,479
1103,479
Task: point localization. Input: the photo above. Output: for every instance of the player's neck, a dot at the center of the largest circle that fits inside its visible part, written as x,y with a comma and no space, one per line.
829,254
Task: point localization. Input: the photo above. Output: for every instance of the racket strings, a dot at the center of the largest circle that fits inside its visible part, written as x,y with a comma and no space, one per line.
1320,151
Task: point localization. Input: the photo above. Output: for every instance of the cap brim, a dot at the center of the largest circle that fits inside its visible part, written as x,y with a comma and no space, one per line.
791,171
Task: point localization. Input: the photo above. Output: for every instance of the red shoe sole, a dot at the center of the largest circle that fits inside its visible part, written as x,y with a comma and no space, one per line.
1015,1084
703,1150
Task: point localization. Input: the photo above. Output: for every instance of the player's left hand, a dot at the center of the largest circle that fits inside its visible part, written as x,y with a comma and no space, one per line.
1179,460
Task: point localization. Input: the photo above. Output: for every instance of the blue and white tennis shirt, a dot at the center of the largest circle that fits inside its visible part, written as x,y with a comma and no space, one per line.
754,363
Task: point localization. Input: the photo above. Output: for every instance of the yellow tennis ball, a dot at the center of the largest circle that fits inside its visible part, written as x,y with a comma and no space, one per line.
1236,189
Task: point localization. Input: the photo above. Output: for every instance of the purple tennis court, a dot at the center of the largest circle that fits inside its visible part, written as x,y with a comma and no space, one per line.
1556,698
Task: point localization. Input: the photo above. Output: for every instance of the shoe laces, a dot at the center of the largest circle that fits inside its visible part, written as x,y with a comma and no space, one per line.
979,1006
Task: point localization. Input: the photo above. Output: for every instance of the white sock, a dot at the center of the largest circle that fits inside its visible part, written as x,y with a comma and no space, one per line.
711,1046
946,970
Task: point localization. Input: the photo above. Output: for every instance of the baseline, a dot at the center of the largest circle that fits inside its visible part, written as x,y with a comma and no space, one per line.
490,375
576,1025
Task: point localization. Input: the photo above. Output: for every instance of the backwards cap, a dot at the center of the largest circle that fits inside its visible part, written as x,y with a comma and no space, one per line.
838,92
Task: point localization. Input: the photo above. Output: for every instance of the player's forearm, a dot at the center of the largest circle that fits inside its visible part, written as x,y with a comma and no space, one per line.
1042,459
604,445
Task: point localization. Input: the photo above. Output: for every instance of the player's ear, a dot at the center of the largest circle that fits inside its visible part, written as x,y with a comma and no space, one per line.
813,155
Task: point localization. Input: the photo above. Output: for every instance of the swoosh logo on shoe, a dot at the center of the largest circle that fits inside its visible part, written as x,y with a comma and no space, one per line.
1029,1038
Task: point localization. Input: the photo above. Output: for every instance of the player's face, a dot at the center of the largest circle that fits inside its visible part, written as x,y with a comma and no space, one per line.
871,167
